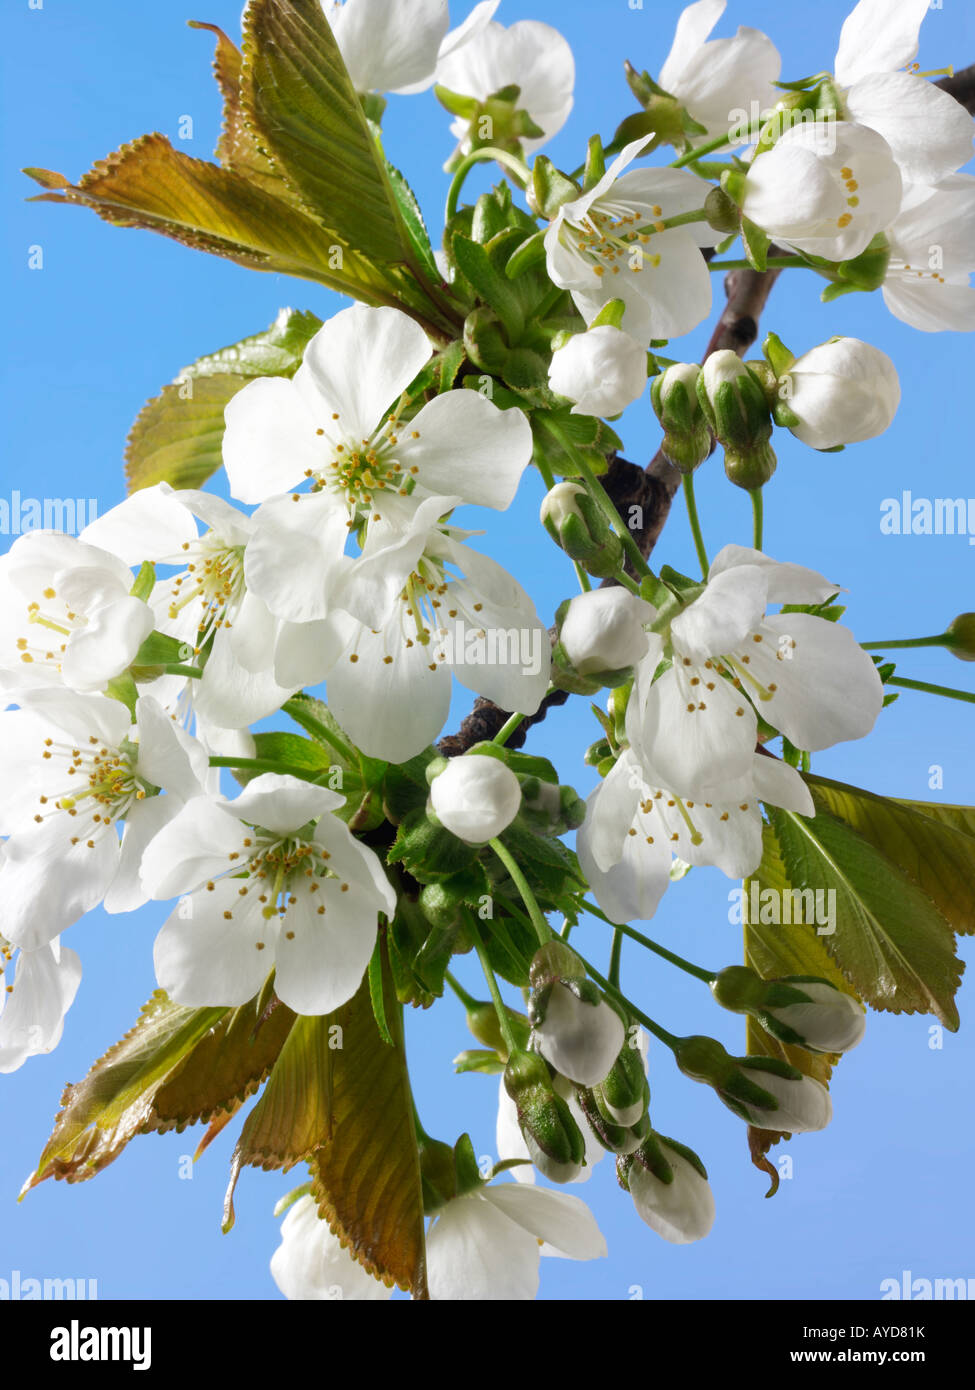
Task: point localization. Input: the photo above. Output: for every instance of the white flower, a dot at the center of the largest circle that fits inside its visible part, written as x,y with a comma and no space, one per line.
603,371
696,726
475,798
205,603
603,630
928,131
389,45
66,614
712,81
511,1141
831,1022
603,246
804,1105
34,1000
266,892
932,255
329,424
486,1245
580,1040
75,769
826,187
422,606
843,391
634,827
480,57
310,1263
680,1211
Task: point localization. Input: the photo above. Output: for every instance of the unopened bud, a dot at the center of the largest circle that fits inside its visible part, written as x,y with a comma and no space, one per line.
601,637
687,438
962,634
552,1136
576,524
802,1011
475,798
733,400
574,1027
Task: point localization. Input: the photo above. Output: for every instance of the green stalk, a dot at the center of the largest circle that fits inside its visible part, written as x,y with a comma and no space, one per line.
698,971
295,710
945,690
542,928
509,161
758,517
504,1022
687,483
943,639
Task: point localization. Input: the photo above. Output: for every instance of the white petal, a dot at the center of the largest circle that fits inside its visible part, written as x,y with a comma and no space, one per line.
468,446
269,442
149,525
731,607
311,1264
928,131
389,48
561,1220
283,804
207,952
195,846
46,883
295,560
778,784
694,24
358,365
321,966
693,751
475,1253
787,583
878,36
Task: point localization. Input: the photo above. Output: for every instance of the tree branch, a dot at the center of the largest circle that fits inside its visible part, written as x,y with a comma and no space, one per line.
961,86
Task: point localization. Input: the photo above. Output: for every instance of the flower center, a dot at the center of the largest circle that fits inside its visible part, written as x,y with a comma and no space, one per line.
276,870
852,201
101,786
54,617
359,469
611,234
213,580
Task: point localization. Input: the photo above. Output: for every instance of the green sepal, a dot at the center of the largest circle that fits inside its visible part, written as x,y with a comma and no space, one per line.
145,582
477,1060
550,188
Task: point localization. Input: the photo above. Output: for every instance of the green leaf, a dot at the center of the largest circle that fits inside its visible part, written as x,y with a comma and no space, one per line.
150,185
225,1067
890,941
756,244
177,437
489,284
414,224
367,1176
934,852
101,1114
307,119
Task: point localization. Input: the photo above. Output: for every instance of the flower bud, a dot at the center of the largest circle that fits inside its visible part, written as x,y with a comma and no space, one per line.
722,211
580,1036
734,404
575,523
603,633
670,1189
618,1139
687,438
962,634
602,371
623,1094
839,393
552,1136
551,808
475,798
766,1092
799,1010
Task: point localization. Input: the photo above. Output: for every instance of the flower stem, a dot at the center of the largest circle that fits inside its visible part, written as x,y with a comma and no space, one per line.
314,726
468,1000
698,971
687,483
194,672
601,498
269,765
507,729
542,928
945,690
758,517
504,1022
509,161
773,263
615,958
943,639
720,142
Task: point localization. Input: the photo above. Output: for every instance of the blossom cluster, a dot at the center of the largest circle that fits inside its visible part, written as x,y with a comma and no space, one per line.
138,660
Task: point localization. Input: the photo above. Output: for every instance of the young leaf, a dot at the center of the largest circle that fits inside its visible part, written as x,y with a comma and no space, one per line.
890,941
367,1176
177,437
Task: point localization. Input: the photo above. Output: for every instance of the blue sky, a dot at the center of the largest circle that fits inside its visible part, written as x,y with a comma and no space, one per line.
113,314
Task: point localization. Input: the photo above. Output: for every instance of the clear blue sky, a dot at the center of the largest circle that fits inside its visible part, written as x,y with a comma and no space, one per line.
114,314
